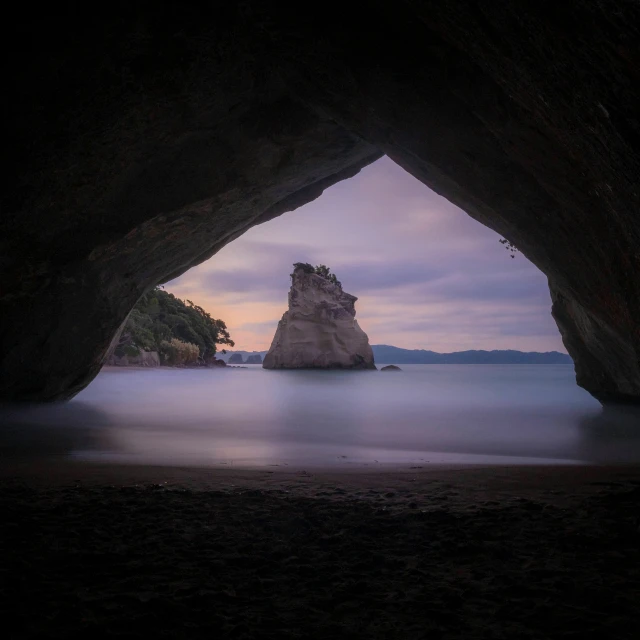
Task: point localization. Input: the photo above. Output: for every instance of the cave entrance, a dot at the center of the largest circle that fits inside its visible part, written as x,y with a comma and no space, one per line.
427,275
155,156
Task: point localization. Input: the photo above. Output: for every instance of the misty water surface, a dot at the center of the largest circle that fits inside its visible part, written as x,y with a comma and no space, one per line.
250,416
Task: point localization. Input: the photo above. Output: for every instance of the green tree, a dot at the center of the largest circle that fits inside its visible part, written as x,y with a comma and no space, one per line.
160,317
324,271
177,352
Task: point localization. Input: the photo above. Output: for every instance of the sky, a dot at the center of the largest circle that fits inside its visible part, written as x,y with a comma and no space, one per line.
427,276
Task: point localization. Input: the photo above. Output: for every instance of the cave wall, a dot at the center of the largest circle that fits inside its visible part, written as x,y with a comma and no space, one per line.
145,141
524,114
142,144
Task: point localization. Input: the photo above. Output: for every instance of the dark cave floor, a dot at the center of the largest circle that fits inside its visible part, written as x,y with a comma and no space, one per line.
302,557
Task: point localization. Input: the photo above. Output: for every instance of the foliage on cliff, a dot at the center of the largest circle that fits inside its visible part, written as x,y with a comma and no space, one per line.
320,270
160,321
177,352
509,246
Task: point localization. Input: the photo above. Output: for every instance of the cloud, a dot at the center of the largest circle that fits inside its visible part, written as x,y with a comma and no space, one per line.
475,321
371,276
259,327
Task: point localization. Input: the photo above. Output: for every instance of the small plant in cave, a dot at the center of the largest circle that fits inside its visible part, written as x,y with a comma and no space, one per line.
509,246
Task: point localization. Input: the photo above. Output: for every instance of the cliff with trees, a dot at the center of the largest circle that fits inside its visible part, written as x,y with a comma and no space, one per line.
181,332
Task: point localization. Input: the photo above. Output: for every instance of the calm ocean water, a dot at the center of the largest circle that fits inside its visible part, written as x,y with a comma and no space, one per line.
245,417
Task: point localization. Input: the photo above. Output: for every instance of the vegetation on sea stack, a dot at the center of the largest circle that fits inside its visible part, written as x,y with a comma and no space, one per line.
320,270
181,332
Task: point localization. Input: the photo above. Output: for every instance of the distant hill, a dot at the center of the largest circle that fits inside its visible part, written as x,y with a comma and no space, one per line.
386,354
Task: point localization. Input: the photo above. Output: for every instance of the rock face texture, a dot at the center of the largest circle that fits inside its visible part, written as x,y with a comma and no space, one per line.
319,330
144,142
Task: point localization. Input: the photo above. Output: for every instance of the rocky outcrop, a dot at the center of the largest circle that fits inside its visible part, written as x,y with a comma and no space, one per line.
215,362
319,330
236,358
391,367
255,359
142,359
142,143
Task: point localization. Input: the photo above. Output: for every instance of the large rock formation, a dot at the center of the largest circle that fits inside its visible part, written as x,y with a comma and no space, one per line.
254,359
236,358
145,141
319,330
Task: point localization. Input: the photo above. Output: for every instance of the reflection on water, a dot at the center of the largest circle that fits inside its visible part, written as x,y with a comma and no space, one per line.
52,429
249,416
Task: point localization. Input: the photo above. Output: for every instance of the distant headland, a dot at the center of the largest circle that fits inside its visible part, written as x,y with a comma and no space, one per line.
387,354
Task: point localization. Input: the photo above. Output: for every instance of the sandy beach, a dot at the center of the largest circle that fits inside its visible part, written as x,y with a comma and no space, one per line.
408,552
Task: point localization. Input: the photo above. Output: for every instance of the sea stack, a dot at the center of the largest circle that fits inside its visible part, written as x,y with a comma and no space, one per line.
319,330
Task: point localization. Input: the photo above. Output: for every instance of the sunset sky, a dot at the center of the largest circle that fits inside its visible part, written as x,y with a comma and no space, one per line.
427,275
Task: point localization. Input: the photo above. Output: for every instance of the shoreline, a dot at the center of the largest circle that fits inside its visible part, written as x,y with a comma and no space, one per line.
468,479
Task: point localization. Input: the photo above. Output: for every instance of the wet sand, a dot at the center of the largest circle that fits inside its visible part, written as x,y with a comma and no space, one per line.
421,552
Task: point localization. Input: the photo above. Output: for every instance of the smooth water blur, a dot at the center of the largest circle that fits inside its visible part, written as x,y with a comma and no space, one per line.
249,416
